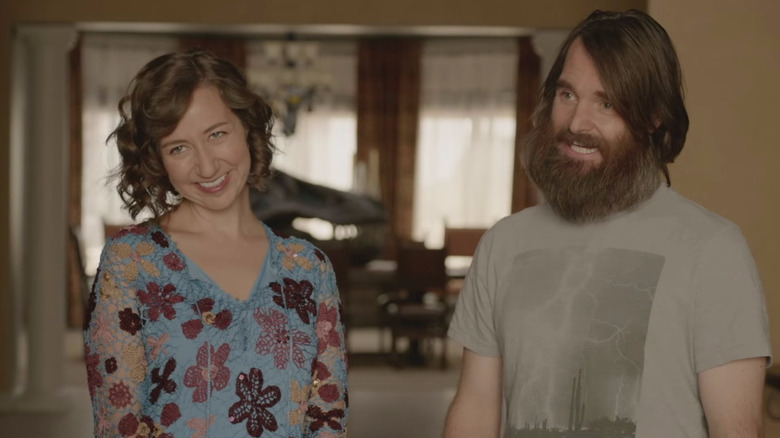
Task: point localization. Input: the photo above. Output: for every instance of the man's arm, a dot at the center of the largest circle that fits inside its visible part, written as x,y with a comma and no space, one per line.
476,410
732,395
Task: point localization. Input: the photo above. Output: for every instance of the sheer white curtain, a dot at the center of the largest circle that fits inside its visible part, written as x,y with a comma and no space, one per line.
322,149
109,62
466,139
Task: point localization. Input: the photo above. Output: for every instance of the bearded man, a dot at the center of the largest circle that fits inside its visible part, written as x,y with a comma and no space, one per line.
616,307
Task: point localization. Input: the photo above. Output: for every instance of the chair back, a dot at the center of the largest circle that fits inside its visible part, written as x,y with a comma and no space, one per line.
421,269
462,241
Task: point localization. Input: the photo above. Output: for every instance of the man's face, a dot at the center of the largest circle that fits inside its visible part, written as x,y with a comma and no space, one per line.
584,159
585,122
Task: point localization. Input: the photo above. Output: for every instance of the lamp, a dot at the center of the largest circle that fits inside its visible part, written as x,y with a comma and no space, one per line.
289,79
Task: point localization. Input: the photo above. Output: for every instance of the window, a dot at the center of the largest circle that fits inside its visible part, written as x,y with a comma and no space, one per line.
466,139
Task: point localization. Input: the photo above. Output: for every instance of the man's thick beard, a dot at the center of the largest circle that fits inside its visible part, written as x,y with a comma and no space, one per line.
581,192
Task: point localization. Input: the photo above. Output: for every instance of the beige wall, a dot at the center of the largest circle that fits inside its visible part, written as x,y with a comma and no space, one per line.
730,52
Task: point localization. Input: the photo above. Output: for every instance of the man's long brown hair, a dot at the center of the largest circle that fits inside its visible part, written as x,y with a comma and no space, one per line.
641,75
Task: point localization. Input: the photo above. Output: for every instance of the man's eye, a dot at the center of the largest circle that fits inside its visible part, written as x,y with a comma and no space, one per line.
568,95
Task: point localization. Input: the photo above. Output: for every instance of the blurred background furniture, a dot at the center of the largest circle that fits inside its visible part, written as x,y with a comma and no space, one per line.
459,246
416,310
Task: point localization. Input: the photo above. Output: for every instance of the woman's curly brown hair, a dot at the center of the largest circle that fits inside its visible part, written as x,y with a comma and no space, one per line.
156,101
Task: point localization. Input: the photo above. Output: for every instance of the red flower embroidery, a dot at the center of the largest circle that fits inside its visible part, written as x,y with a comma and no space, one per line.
173,261
162,382
119,395
253,403
160,300
327,328
160,239
135,229
192,328
94,378
296,296
276,339
111,365
129,321
324,418
170,414
198,376
319,370
328,392
131,426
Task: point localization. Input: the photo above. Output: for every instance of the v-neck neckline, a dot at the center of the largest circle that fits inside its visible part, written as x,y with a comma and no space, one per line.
200,274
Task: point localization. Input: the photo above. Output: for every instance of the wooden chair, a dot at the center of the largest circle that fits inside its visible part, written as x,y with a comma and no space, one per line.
417,310
460,242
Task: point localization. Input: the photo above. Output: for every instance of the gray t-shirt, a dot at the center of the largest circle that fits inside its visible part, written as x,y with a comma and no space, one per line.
604,327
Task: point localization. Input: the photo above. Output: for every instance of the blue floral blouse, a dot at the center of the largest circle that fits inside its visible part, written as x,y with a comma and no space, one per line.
169,354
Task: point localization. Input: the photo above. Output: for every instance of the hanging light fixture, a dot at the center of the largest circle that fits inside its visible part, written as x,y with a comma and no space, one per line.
290,79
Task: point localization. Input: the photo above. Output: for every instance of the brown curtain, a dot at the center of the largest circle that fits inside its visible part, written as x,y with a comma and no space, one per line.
387,119
528,84
231,49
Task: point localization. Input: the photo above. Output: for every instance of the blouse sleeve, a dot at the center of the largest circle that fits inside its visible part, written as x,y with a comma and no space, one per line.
326,415
115,355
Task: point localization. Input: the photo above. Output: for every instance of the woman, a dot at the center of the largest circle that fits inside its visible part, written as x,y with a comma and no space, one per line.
203,322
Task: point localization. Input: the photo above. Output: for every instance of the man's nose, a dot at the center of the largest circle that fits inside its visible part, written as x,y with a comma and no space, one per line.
581,120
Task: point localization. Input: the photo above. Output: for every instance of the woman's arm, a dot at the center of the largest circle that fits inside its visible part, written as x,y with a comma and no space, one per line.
326,414
115,354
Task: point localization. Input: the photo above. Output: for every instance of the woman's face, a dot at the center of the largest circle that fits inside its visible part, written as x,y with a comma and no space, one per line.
207,156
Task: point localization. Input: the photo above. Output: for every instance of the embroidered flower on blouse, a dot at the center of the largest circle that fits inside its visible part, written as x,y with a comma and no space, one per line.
131,270
160,300
293,257
162,381
119,395
94,378
135,357
198,376
157,345
160,239
325,418
254,403
201,425
321,261
135,229
173,261
129,321
111,365
296,296
300,396
102,332
327,328
275,338
204,307
170,413
108,288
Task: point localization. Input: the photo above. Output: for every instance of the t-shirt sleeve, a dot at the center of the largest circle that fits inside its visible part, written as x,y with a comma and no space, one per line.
473,320
730,319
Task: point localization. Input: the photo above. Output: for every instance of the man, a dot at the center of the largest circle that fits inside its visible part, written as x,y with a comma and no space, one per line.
616,308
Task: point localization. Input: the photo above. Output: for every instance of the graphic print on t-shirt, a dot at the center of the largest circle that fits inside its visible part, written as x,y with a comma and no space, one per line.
574,323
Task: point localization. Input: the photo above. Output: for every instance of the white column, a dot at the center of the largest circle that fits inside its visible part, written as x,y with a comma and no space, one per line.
42,150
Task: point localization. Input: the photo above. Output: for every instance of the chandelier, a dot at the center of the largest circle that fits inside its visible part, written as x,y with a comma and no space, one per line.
289,79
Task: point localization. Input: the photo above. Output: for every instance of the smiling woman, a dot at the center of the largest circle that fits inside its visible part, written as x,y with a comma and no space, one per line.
202,318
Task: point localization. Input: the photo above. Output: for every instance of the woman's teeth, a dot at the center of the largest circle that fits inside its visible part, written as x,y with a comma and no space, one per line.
215,183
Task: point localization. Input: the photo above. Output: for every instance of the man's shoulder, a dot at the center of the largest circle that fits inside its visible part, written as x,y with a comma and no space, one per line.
686,213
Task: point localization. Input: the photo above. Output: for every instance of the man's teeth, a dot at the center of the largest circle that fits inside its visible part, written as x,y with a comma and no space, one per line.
215,183
582,149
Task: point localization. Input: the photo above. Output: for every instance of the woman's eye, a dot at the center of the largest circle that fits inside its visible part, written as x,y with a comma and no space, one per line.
607,105
176,150
217,134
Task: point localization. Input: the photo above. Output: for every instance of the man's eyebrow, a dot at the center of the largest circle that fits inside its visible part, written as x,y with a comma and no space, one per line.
563,83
